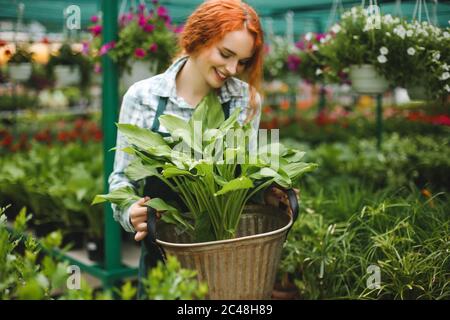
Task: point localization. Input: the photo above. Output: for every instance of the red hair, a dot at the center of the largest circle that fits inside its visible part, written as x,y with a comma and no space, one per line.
209,23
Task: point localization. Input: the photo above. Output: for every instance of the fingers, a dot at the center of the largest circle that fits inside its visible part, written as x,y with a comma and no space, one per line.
140,235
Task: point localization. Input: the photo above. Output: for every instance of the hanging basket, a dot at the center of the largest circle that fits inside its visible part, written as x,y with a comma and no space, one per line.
20,72
366,80
140,70
418,92
67,76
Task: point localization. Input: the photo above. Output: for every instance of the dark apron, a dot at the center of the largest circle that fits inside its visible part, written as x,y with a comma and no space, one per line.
151,252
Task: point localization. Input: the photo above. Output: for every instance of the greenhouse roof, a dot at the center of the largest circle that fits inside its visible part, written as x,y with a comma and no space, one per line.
308,15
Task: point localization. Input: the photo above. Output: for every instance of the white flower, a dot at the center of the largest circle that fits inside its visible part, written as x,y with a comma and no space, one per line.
445,76
381,58
409,33
447,88
318,72
384,50
388,18
411,51
388,34
436,56
446,35
356,37
400,31
445,67
328,37
336,28
308,36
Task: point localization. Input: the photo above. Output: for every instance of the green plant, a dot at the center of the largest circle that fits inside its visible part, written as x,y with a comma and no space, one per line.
143,36
214,188
68,57
169,282
21,55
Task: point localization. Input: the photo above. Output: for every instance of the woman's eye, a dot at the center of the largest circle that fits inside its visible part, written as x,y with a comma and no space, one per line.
224,55
243,63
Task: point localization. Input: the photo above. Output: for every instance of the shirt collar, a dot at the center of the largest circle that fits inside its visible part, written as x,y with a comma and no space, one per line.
231,87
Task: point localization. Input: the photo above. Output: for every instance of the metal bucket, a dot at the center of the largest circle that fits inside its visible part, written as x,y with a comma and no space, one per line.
240,268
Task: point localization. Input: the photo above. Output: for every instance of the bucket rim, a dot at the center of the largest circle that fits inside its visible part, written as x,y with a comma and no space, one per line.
227,241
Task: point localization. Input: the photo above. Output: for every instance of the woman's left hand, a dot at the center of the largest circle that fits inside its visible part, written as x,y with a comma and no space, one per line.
274,196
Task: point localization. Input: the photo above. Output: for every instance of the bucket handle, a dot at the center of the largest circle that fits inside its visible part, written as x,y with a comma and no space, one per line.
150,240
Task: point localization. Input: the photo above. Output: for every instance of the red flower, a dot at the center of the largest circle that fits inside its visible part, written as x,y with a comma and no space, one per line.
7,140
94,19
149,28
95,30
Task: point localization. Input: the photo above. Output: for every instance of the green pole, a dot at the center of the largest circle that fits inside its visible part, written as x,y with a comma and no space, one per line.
379,120
110,102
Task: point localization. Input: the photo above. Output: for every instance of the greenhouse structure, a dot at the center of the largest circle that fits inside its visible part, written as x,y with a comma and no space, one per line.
224,150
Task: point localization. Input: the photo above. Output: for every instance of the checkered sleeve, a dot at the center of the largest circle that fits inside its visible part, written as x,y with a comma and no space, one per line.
131,113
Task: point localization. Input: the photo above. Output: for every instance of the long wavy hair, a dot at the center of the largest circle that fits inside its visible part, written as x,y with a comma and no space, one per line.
211,21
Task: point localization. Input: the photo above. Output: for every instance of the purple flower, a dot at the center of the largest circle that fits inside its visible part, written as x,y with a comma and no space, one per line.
153,47
106,47
139,53
293,62
96,30
94,19
97,68
155,1
300,45
149,27
141,8
85,49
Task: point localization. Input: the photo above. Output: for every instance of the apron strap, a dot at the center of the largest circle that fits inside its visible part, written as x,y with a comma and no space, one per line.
162,104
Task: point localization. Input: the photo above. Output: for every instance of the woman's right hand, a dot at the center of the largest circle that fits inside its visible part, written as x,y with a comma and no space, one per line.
138,218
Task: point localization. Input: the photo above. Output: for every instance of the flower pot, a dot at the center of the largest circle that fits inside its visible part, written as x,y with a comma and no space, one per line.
287,292
241,268
20,72
417,93
140,70
95,249
67,76
366,80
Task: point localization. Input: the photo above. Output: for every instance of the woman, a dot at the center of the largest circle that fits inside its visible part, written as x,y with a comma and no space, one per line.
221,39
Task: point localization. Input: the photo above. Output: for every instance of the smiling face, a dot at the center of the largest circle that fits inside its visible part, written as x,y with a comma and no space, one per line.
226,58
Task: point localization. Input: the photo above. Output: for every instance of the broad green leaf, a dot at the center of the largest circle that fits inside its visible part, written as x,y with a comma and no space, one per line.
296,170
136,170
144,139
122,197
235,184
171,172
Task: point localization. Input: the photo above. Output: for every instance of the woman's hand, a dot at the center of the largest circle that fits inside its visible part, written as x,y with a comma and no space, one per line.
139,217
274,196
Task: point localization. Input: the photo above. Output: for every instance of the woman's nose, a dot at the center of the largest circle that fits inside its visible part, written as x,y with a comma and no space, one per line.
231,67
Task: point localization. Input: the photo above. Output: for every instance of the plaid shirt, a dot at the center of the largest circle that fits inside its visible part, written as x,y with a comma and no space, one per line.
139,107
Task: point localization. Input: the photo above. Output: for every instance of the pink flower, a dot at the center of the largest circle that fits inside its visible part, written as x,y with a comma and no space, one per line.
320,36
155,1
149,28
162,12
141,8
142,21
153,47
300,45
94,19
139,53
96,30
178,29
106,47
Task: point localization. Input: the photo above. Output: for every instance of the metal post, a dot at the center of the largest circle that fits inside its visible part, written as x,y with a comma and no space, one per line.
379,120
110,102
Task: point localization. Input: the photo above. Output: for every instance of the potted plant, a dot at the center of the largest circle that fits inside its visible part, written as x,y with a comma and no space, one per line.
355,48
69,67
145,46
215,189
20,65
